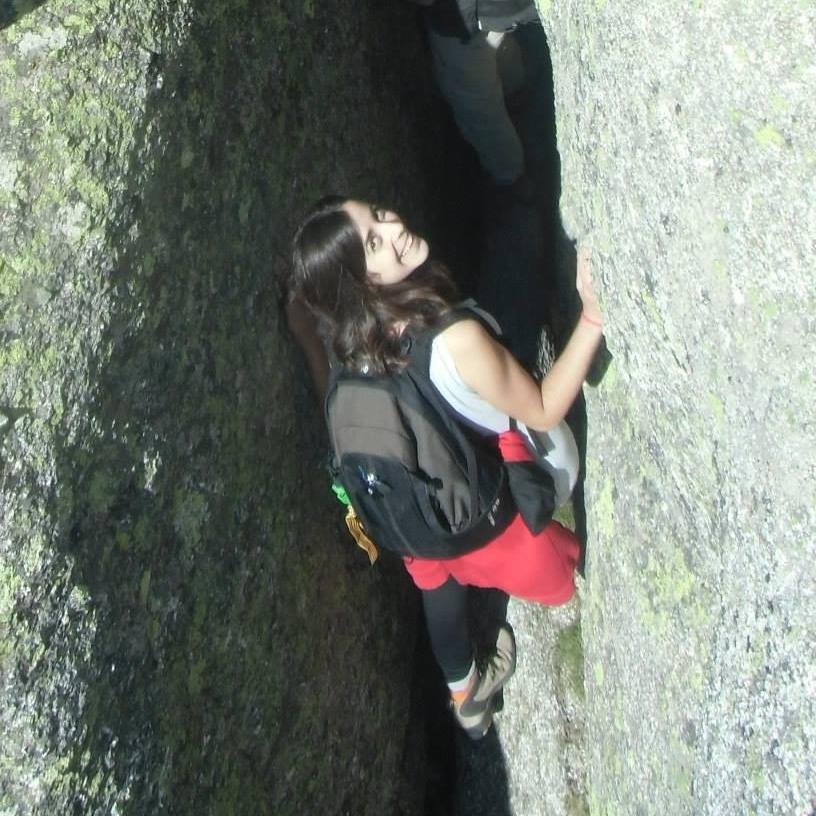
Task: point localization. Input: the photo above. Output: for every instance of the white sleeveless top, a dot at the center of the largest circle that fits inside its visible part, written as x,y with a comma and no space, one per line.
561,459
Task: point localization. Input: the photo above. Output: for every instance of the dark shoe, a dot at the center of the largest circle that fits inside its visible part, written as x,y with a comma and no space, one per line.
475,713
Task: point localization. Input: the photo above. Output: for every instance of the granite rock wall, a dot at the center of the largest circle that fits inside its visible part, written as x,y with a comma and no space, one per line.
689,166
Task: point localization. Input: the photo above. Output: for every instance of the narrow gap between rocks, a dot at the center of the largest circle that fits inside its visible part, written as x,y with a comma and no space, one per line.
522,271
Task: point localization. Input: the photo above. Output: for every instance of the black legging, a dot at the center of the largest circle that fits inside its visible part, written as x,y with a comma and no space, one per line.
446,618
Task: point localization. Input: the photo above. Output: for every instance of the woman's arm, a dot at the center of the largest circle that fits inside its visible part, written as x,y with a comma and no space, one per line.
490,370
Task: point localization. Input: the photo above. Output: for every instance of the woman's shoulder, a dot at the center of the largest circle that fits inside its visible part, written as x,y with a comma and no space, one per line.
464,336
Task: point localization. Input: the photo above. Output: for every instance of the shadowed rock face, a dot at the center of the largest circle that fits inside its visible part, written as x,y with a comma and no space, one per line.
185,628
13,10
688,164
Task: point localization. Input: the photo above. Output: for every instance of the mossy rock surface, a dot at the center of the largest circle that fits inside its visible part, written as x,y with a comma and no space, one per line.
185,626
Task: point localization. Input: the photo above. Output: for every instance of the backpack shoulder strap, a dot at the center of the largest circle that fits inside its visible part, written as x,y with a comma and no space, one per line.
420,344
336,372
418,372
466,309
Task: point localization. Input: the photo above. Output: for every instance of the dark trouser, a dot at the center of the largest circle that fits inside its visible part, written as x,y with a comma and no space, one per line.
446,618
472,76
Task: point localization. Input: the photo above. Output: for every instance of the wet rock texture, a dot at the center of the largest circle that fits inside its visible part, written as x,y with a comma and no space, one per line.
688,164
185,628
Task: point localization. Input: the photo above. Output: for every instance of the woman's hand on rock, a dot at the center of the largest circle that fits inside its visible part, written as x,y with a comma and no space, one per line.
586,290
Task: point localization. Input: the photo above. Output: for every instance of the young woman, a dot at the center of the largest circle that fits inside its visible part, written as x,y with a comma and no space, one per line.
368,278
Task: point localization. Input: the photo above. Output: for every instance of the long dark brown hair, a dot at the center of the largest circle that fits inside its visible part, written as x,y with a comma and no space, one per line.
359,316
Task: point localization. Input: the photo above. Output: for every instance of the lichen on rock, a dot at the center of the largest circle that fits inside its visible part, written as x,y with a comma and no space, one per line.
185,627
684,146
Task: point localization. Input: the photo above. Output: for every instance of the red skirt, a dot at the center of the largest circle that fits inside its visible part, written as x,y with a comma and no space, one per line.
534,567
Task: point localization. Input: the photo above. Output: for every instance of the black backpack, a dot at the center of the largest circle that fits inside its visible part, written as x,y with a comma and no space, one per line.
422,483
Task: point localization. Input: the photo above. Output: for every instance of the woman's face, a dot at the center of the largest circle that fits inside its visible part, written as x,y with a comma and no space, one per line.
392,253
